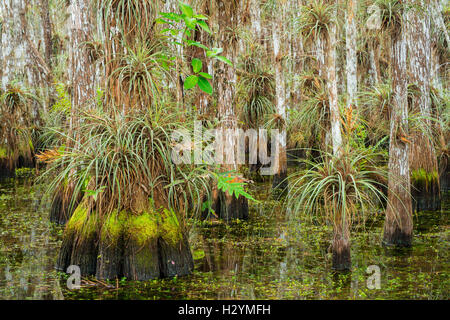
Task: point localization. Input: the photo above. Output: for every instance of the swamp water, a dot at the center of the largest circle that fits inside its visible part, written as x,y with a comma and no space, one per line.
268,257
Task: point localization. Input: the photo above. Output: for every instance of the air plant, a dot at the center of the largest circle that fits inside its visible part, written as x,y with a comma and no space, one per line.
16,141
375,109
316,18
139,72
312,117
341,190
256,89
391,12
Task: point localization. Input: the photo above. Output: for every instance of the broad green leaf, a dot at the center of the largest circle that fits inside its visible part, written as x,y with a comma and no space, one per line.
200,17
223,59
196,65
186,9
190,82
204,85
204,26
196,44
213,52
190,23
171,16
205,75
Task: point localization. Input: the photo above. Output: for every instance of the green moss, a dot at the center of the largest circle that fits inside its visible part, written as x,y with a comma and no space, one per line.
422,178
113,226
170,227
82,223
143,228
2,153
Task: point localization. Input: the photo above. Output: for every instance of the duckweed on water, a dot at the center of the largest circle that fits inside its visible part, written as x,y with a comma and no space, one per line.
267,257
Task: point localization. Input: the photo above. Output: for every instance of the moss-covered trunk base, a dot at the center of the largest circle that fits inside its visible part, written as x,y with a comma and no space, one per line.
140,247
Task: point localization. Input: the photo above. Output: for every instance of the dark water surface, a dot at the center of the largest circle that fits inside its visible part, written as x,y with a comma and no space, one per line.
268,257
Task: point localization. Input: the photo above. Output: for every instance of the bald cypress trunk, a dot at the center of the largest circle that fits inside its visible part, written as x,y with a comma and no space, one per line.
226,16
13,43
82,71
336,136
351,35
82,78
374,61
423,160
280,183
341,234
398,225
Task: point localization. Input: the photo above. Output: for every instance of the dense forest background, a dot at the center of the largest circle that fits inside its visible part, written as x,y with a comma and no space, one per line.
91,92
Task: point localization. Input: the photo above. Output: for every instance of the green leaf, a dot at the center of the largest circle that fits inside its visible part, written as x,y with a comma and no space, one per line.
190,22
171,16
204,26
196,44
196,65
190,82
223,59
186,9
205,75
204,85
213,52
200,17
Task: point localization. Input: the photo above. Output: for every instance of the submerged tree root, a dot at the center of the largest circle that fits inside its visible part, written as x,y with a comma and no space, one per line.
143,247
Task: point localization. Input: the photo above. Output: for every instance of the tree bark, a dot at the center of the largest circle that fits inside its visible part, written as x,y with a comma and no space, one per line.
82,71
47,30
352,62
340,247
280,183
425,189
398,225
225,75
374,64
13,43
336,136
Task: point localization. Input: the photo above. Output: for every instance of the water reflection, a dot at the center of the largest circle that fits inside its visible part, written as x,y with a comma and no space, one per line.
269,257
27,246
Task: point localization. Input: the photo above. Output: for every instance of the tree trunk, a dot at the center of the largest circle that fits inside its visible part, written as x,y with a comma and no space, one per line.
374,64
13,43
340,246
398,225
335,122
47,30
82,78
225,75
352,62
280,183
141,247
341,241
82,71
423,160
